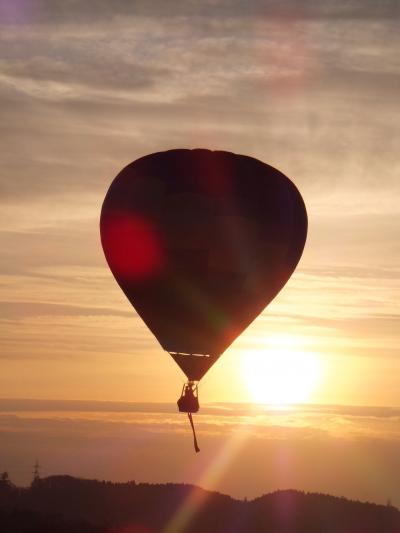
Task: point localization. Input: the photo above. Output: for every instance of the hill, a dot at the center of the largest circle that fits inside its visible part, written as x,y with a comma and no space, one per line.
64,504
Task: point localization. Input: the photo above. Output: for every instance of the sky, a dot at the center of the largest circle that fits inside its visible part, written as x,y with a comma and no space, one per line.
310,87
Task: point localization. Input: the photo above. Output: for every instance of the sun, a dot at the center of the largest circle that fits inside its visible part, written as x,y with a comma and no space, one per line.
281,375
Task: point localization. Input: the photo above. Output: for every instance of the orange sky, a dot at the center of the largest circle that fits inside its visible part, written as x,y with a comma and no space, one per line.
310,91
310,87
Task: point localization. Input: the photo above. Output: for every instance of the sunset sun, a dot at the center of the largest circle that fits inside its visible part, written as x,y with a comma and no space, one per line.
281,375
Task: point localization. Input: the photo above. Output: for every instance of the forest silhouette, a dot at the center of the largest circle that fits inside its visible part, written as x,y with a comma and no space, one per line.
66,504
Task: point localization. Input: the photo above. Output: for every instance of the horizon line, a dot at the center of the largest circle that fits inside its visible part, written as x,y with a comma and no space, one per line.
33,404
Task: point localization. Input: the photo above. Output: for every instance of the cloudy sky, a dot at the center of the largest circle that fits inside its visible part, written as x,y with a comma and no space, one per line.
310,87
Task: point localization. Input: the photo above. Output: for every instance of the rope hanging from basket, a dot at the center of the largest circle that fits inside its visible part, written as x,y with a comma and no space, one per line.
196,447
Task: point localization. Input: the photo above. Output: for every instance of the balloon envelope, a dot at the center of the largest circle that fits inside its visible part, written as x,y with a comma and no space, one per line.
200,242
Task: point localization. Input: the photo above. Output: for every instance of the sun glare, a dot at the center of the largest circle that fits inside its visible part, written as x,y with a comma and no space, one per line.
281,376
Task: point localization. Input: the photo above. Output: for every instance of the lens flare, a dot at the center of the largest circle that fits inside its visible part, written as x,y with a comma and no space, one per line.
133,246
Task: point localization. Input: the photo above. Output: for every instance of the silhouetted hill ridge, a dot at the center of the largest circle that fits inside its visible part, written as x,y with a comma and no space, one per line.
64,503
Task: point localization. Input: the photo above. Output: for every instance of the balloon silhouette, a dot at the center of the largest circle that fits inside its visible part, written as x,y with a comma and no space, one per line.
200,242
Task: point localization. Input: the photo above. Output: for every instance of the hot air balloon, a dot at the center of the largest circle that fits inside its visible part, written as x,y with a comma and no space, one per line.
200,242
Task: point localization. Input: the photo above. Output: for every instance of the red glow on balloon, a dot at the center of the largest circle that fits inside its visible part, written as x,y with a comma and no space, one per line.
132,246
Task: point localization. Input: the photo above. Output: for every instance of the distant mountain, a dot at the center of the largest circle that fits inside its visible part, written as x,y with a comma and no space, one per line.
63,504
